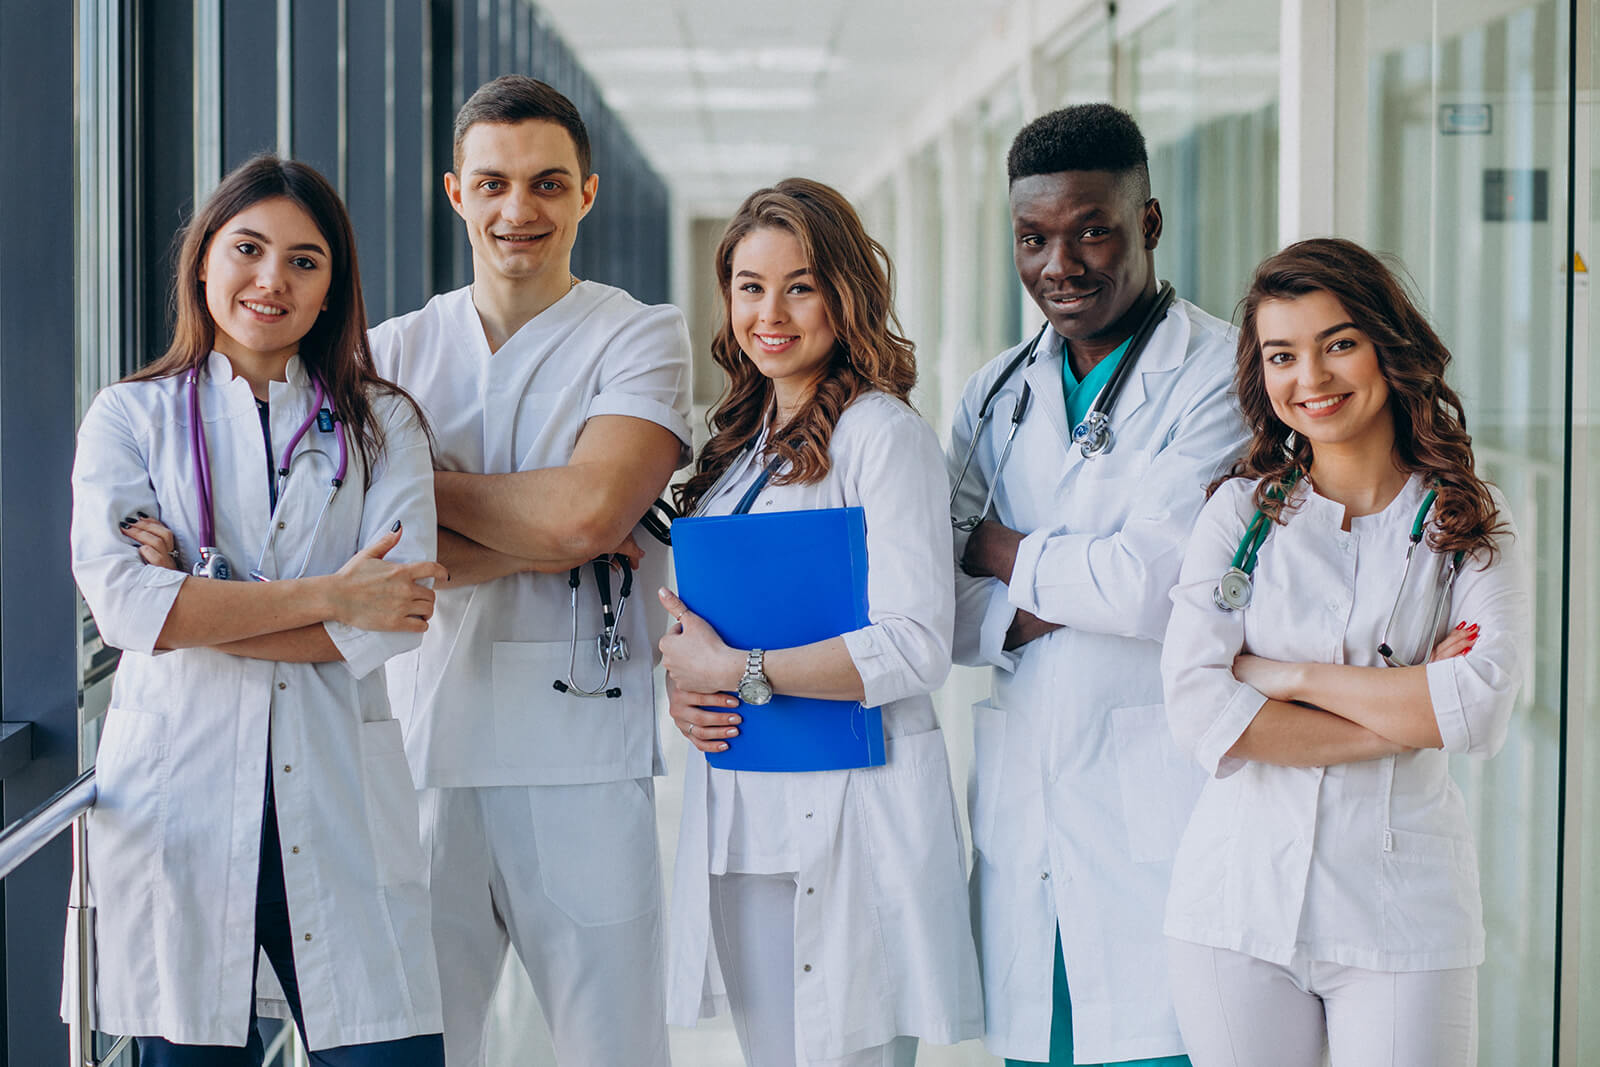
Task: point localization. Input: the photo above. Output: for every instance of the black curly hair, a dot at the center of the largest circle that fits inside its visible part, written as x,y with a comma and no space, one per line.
1081,137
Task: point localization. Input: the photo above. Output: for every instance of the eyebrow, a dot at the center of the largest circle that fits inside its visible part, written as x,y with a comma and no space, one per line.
264,239
1027,222
791,274
494,172
1322,335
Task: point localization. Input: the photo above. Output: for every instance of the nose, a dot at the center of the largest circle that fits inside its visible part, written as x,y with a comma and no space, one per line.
772,310
270,274
1313,369
517,206
1061,261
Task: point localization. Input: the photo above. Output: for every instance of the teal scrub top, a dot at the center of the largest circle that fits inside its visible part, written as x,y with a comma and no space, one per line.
1080,395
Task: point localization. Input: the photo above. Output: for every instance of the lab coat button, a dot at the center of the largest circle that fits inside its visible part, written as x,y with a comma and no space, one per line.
808,814
308,937
295,849
283,685
810,889
807,968
287,768
283,525
1044,876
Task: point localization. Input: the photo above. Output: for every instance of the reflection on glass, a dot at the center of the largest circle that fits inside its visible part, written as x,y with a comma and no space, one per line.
1467,177
1206,94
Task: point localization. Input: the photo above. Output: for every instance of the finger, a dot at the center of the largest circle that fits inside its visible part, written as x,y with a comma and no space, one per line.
425,568
675,607
154,556
380,545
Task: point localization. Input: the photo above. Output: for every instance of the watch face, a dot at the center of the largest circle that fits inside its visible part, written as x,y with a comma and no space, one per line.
754,691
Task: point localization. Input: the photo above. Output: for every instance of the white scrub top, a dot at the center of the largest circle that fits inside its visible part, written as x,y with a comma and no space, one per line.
1366,864
883,944
175,837
476,699
1078,793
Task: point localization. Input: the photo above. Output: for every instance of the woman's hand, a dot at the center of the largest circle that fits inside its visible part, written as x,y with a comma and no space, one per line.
158,546
1457,642
703,718
1273,679
371,594
696,659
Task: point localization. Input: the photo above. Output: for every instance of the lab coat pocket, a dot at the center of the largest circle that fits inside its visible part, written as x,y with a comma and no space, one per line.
1100,499
1158,785
1430,890
391,802
547,426
908,819
541,728
988,767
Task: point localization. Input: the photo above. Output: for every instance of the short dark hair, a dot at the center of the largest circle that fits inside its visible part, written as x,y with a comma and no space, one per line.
513,98
1081,137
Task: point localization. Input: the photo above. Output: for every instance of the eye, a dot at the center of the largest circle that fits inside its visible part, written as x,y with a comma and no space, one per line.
550,185
1031,240
247,248
304,262
491,185
1342,344
752,288
1280,358
1094,233
801,288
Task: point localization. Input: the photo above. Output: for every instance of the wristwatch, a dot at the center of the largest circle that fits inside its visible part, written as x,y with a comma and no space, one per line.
754,687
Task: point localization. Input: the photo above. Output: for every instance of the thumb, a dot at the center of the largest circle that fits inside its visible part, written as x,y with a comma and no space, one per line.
669,600
385,541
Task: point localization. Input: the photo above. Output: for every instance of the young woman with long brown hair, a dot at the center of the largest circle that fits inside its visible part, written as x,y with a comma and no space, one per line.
1352,609
254,793
835,900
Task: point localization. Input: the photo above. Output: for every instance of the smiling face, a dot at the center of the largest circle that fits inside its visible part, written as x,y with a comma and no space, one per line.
266,275
1083,244
520,192
1321,372
778,314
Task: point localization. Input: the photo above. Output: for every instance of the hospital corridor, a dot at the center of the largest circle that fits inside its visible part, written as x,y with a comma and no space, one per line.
575,225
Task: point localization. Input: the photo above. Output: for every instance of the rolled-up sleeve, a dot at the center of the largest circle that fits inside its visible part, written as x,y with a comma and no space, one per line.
1207,707
401,488
646,374
110,481
899,480
1118,583
1474,695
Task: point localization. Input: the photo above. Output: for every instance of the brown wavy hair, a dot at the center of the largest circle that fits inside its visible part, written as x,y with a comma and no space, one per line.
1429,423
335,350
854,276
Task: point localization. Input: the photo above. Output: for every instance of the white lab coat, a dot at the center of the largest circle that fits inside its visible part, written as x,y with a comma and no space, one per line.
174,839
883,944
1366,864
1078,793
476,698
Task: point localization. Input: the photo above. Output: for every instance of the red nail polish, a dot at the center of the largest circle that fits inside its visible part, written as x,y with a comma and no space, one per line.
1461,624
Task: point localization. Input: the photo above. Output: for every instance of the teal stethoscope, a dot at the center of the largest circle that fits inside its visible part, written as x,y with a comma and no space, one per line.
1421,605
1093,435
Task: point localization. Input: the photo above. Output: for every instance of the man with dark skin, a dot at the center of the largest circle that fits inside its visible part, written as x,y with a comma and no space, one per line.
1079,793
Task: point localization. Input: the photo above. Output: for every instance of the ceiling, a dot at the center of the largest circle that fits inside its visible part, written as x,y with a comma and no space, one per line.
727,95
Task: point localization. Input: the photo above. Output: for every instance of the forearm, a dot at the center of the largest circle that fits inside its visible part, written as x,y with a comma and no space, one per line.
554,519
1391,701
305,644
470,563
1027,627
209,613
1293,735
822,670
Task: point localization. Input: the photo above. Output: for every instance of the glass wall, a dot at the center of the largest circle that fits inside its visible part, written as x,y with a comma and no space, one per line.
1467,121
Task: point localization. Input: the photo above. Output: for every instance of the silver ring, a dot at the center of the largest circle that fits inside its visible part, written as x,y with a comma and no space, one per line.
690,733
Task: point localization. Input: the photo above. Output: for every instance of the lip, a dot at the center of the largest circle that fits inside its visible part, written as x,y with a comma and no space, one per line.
278,312
520,239
1339,401
768,343
1070,301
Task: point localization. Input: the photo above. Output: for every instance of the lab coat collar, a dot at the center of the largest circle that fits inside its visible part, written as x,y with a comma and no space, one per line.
1306,501
218,372
1168,344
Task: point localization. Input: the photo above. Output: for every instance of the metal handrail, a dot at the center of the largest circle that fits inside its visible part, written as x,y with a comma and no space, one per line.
20,840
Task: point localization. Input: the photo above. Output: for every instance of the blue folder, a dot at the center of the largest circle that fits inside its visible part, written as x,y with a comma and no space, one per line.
775,580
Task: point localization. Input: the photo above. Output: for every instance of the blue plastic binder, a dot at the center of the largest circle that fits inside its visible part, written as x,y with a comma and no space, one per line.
775,580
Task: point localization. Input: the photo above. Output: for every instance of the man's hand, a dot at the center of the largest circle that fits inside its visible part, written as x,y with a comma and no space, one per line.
1027,627
991,551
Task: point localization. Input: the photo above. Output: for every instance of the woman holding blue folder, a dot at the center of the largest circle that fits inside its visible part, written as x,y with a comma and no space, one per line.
826,909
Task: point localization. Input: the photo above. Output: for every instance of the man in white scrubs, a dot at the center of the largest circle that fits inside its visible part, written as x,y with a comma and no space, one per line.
559,409
1079,794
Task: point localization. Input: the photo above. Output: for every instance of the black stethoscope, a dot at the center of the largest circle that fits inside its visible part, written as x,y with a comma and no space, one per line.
1092,434
212,563
1236,586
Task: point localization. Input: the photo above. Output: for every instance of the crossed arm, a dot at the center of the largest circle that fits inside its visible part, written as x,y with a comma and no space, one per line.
555,518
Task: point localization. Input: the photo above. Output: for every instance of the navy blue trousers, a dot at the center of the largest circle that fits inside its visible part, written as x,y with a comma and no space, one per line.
273,936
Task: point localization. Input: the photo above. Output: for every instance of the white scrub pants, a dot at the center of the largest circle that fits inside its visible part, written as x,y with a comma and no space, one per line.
569,875
1239,1011
752,923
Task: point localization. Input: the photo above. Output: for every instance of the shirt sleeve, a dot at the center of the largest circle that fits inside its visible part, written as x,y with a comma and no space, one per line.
1118,584
983,612
401,488
130,600
645,374
1207,707
898,480
1474,695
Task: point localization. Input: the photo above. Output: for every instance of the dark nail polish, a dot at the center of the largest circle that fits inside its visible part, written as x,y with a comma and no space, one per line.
124,524
395,528
141,514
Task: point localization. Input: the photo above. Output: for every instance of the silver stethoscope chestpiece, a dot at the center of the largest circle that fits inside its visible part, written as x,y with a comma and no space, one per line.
212,564
1233,590
1093,434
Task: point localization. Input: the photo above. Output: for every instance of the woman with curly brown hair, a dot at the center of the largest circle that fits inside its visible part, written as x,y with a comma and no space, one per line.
1370,619
829,905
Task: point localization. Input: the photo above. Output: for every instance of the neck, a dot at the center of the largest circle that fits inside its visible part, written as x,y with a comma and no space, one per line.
506,305
1087,353
259,369
1365,476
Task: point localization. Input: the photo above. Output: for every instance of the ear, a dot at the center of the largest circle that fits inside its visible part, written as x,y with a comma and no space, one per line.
452,190
591,186
1152,224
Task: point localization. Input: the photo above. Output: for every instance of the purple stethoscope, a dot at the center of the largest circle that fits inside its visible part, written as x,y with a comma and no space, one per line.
212,563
